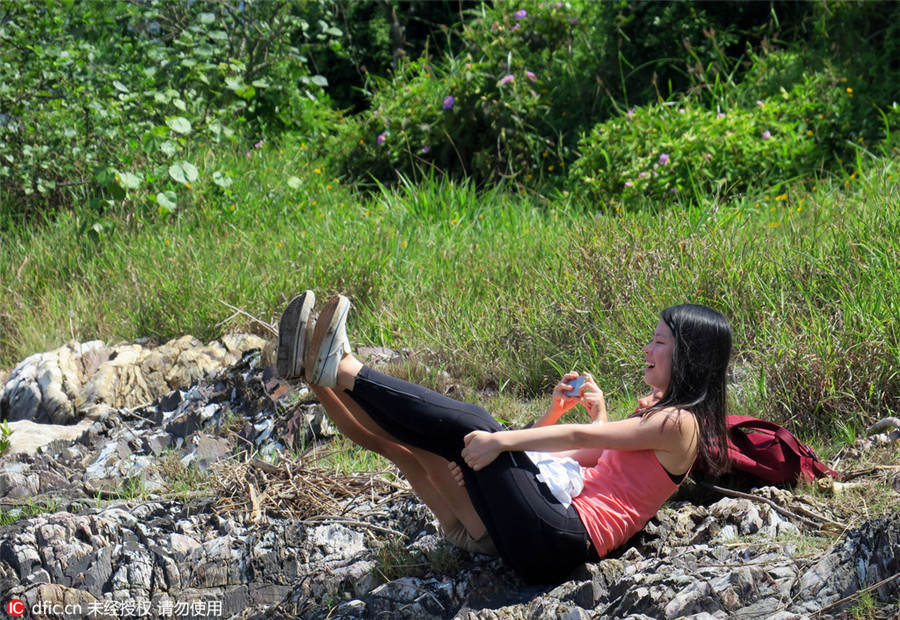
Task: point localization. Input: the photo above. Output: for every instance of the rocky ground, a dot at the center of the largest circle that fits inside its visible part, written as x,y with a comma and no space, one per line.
188,480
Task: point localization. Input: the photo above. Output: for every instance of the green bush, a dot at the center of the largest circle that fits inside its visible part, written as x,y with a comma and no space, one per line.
496,110
531,78
109,102
663,151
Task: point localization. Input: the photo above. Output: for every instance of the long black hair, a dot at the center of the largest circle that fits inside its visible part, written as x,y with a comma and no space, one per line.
699,376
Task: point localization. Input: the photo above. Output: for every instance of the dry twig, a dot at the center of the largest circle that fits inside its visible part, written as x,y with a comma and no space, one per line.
256,488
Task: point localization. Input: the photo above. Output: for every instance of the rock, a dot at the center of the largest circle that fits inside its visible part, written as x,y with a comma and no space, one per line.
146,554
869,555
55,387
336,540
27,436
18,484
207,450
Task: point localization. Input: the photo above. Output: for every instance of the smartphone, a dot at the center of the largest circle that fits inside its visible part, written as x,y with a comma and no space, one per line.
576,384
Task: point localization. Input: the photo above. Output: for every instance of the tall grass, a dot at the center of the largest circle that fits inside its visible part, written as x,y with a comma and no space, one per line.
499,288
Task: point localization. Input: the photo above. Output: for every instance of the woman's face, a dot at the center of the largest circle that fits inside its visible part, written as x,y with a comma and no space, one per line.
658,355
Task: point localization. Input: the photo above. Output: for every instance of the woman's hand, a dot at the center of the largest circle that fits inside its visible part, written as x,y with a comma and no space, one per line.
564,395
593,400
481,449
649,400
456,472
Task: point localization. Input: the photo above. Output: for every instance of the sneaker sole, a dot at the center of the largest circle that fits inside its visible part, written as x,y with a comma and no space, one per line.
329,319
292,335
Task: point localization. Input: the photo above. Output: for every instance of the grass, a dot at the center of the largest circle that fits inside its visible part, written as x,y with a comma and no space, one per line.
393,559
346,458
27,509
183,481
498,289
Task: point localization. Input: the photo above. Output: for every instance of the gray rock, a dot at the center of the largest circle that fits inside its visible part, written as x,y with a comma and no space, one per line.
147,553
55,387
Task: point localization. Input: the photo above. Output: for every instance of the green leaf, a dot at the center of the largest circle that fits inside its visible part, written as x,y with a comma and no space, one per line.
207,18
119,86
247,92
129,180
177,173
179,124
168,147
105,176
319,80
190,171
183,172
222,179
294,182
167,200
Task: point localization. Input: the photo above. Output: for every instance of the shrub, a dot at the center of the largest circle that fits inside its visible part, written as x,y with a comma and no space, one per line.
665,150
112,99
493,111
531,77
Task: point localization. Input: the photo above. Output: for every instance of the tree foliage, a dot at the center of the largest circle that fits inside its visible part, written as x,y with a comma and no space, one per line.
99,99
107,105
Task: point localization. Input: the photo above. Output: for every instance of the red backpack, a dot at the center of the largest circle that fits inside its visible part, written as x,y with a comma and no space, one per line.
770,454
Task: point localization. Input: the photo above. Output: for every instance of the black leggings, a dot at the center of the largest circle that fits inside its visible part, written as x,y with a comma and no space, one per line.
533,532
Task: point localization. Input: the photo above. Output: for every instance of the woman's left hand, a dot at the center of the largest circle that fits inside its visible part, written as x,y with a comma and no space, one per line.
481,449
456,472
593,399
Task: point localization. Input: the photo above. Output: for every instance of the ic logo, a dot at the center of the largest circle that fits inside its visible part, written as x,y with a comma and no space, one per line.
15,607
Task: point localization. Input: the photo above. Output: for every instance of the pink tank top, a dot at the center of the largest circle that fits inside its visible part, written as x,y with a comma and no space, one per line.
621,493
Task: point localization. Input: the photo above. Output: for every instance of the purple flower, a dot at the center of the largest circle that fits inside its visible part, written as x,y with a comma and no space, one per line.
557,5
259,144
381,138
530,76
629,184
425,149
507,79
448,102
766,135
642,175
521,14
681,111
720,115
630,113
516,27
759,103
664,159
248,155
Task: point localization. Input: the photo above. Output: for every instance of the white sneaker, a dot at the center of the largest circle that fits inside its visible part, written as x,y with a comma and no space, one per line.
329,343
292,335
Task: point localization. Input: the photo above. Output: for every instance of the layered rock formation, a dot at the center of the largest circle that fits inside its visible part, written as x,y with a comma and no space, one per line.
107,530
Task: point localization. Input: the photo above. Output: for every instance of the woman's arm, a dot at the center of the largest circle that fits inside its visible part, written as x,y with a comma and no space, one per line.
667,431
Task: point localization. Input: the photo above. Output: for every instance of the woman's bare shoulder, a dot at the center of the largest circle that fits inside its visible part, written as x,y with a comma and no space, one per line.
671,419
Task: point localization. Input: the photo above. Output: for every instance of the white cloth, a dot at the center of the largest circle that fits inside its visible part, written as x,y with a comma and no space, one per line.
562,475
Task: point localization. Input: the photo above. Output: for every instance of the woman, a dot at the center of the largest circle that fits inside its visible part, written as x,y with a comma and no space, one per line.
481,481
